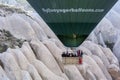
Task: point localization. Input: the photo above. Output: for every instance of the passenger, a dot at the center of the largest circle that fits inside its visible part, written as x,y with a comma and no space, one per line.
78,53
71,54
68,55
81,55
63,54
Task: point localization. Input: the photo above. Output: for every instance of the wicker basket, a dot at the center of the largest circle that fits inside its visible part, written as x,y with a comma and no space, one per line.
70,60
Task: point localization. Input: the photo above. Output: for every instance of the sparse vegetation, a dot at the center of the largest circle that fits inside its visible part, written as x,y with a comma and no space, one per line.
7,40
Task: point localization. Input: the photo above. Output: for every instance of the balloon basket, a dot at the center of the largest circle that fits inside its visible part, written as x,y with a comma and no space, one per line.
72,60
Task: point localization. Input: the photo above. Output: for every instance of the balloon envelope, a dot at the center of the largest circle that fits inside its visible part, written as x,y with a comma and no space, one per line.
72,20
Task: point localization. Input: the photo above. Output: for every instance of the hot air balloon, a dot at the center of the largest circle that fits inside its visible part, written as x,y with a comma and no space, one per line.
72,20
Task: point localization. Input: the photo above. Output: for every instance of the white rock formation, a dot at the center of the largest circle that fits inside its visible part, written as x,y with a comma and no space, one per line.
114,17
96,50
33,72
44,26
36,27
107,30
92,37
3,75
54,49
116,49
110,56
45,56
45,72
85,72
102,66
85,50
26,76
27,51
20,58
11,67
94,68
73,73
117,7
10,2
90,75
23,31
24,64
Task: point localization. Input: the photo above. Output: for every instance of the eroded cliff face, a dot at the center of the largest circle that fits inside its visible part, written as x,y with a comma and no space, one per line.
39,58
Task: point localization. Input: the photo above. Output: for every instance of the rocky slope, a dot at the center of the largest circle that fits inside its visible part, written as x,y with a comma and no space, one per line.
39,58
